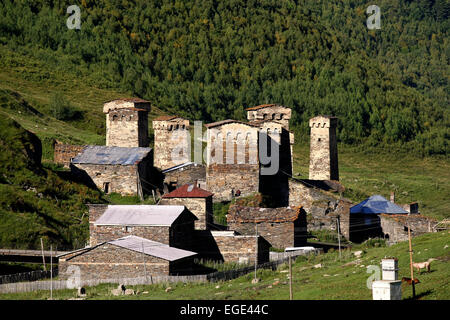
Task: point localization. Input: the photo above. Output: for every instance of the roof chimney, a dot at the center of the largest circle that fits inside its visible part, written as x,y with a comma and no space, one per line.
392,197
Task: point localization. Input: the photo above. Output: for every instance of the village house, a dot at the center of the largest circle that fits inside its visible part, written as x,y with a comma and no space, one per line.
126,171
281,227
172,225
196,200
126,257
186,173
229,246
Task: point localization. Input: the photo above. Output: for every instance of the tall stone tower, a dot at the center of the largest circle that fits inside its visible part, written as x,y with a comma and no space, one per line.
127,122
323,157
172,142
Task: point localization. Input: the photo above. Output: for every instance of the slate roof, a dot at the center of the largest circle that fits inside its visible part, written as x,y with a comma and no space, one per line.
188,191
179,166
254,214
141,215
135,100
152,248
377,204
220,123
111,155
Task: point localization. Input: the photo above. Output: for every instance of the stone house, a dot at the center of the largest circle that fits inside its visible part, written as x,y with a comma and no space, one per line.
281,227
232,164
196,200
171,225
172,141
365,219
229,246
186,173
395,227
127,122
115,169
126,257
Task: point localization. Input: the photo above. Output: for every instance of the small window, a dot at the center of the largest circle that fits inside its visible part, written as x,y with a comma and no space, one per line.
128,229
106,187
319,139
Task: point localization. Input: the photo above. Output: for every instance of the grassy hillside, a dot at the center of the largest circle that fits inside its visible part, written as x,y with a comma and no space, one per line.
335,280
35,201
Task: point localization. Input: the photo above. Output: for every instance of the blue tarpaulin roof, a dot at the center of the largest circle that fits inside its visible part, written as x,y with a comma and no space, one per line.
377,204
111,155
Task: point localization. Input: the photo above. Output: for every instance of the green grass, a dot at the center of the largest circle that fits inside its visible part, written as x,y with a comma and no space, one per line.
335,280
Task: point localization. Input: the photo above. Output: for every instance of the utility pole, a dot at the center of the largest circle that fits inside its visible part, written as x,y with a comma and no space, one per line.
143,259
42,252
290,278
256,249
411,263
338,228
51,272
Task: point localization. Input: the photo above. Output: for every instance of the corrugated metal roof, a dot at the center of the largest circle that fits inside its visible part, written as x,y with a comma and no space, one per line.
111,155
188,191
152,248
148,215
377,204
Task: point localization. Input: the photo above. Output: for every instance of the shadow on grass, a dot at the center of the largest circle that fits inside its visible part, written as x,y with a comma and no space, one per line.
420,295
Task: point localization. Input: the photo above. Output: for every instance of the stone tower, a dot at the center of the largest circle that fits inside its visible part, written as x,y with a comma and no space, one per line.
127,122
172,142
323,157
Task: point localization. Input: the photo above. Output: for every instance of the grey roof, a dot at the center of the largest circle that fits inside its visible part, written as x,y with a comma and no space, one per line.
152,248
377,204
111,155
178,166
142,215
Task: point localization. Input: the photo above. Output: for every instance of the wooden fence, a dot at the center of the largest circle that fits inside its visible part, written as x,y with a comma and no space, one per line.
27,276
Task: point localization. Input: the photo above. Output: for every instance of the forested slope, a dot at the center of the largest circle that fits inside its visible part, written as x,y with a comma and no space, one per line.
210,59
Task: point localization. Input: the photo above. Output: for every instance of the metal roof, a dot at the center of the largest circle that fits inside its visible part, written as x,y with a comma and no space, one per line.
140,215
111,155
152,248
377,204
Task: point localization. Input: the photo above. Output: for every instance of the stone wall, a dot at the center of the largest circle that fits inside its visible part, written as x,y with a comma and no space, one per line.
201,207
127,128
122,179
64,153
395,227
179,235
101,233
322,207
323,154
171,142
270,112
232,160
226,246
223,179
109,261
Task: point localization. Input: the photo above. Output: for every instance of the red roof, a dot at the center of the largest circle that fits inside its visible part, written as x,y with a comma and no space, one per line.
188,191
